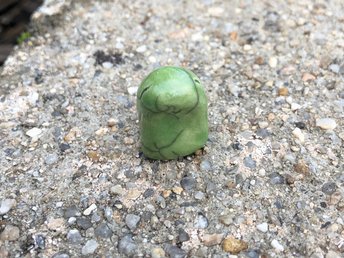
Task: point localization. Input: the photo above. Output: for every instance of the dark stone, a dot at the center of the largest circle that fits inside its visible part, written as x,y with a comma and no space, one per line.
237,146
323,204
326,224
276,179
103,231
263,133
84,223
71,211
252,254
272,22
278,204
40,241
329,188
148,193
300,125
137,67
183,236
249,162
188,183
127,245
102,57
174,251
64,146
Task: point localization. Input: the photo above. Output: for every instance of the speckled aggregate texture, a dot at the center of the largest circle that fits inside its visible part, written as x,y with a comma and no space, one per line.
269,182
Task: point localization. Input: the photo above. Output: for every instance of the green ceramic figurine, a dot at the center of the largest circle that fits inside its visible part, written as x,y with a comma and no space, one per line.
172,109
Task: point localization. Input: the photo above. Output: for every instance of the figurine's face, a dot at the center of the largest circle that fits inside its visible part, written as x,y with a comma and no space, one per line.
171,90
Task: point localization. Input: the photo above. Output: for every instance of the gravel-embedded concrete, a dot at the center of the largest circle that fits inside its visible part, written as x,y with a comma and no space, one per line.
269,182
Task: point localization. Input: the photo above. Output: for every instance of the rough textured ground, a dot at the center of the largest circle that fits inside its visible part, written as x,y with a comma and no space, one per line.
269,182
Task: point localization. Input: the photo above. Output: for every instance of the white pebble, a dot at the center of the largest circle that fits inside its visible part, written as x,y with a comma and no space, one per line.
90,247
34,132
152,59
59,204
294,106
326,123
132,90
89,210
262,172
107,65
264,227
298,134
278,247
273,62
141,49
6,205
263,124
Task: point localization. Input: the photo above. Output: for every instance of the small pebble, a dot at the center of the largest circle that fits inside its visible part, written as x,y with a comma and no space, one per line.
111,122
6,205
117,189
294,106
107,65
263,227
183,236
10,233
51,159
90,209
301,167
188,183
226,219
90,247
174,251
326,123
249,162
283,91
103,231
158,252
308,77
39,241
298,134
201,221
71,211
74,236
56,224
127,245
141,49
278,247
212,239
132,90
199,195
132,220
34,132
329,188
276,179
273,62
84,223
233,245
252,254
205,165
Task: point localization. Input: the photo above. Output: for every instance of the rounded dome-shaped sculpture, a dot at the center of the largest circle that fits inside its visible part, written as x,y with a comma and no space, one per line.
172,108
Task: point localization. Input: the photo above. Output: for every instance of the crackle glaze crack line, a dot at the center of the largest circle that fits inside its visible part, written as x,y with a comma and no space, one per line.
159,149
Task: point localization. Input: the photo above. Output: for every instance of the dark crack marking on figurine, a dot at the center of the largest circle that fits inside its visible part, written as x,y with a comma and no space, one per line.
159,149
172,109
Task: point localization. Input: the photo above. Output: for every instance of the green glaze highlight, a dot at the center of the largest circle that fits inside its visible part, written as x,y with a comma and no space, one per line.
172,108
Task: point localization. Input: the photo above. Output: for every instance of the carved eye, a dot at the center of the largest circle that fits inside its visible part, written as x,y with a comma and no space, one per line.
197,81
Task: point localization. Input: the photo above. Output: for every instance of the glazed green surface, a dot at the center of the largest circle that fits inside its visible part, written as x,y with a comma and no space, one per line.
172,109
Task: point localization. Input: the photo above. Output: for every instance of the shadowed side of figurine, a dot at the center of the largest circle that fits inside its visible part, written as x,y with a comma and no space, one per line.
172,109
